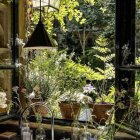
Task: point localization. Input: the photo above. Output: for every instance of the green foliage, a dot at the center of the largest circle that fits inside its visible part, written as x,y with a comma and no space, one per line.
83,37
104,84
102,41
104,56
108,98
138,60
56,74
137,82
75,15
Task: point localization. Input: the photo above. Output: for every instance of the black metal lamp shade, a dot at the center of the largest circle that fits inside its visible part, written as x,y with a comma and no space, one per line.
39,38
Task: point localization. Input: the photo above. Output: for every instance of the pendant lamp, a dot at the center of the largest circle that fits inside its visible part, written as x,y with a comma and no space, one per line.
40,38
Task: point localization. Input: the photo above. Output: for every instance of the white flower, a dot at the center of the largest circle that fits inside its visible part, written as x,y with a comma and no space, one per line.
3,105
19,41
15,88
88,88
63,56
72,54
31,95
84,98
3,100
18,65
2,94
57,63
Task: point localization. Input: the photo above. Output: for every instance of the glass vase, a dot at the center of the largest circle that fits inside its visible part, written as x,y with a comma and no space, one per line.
85,135
40,133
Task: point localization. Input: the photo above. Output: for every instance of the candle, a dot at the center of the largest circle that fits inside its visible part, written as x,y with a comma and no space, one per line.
27,136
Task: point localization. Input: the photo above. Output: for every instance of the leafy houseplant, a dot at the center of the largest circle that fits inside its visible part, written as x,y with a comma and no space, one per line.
106,69
104,84
58,77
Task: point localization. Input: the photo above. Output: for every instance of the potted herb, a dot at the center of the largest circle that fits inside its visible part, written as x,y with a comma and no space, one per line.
72,98
103,104
70,105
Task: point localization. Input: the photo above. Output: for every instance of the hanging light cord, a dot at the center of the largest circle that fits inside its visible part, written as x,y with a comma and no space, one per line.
40,11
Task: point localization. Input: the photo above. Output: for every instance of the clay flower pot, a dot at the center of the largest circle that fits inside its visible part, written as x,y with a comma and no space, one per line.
38,108
69,110
99,111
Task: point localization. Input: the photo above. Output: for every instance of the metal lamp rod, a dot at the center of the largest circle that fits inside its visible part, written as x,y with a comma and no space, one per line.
40,11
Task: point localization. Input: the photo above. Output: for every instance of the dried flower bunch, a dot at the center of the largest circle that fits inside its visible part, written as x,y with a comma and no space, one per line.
3,100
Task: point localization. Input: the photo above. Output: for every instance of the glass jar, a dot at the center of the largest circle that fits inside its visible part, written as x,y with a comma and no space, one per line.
85,135
40,133
26,132
75,130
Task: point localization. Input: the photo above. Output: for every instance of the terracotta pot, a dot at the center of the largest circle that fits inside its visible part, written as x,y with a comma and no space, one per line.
69,110
3,110
99,112
38,108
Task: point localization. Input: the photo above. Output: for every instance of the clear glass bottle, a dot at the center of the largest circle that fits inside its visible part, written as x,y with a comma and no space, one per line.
85,135
26,132
40,133
75,130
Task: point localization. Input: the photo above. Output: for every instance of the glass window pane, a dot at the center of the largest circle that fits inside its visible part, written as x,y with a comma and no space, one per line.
5,51
5,33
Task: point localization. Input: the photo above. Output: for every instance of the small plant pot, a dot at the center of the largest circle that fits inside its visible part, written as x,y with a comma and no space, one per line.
38,108
69,110
99,112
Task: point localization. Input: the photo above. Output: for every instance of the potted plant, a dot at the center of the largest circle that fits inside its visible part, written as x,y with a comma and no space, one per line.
59,78
72,98
103,104
70,106
104,85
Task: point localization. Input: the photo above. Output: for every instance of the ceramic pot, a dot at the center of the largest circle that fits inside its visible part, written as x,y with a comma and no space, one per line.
99,111
69,110
38,108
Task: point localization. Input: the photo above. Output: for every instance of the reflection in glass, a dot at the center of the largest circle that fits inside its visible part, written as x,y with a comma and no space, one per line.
75,130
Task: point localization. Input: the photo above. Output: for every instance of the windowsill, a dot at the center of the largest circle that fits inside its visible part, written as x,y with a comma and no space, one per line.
60,130
7,66
4,117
